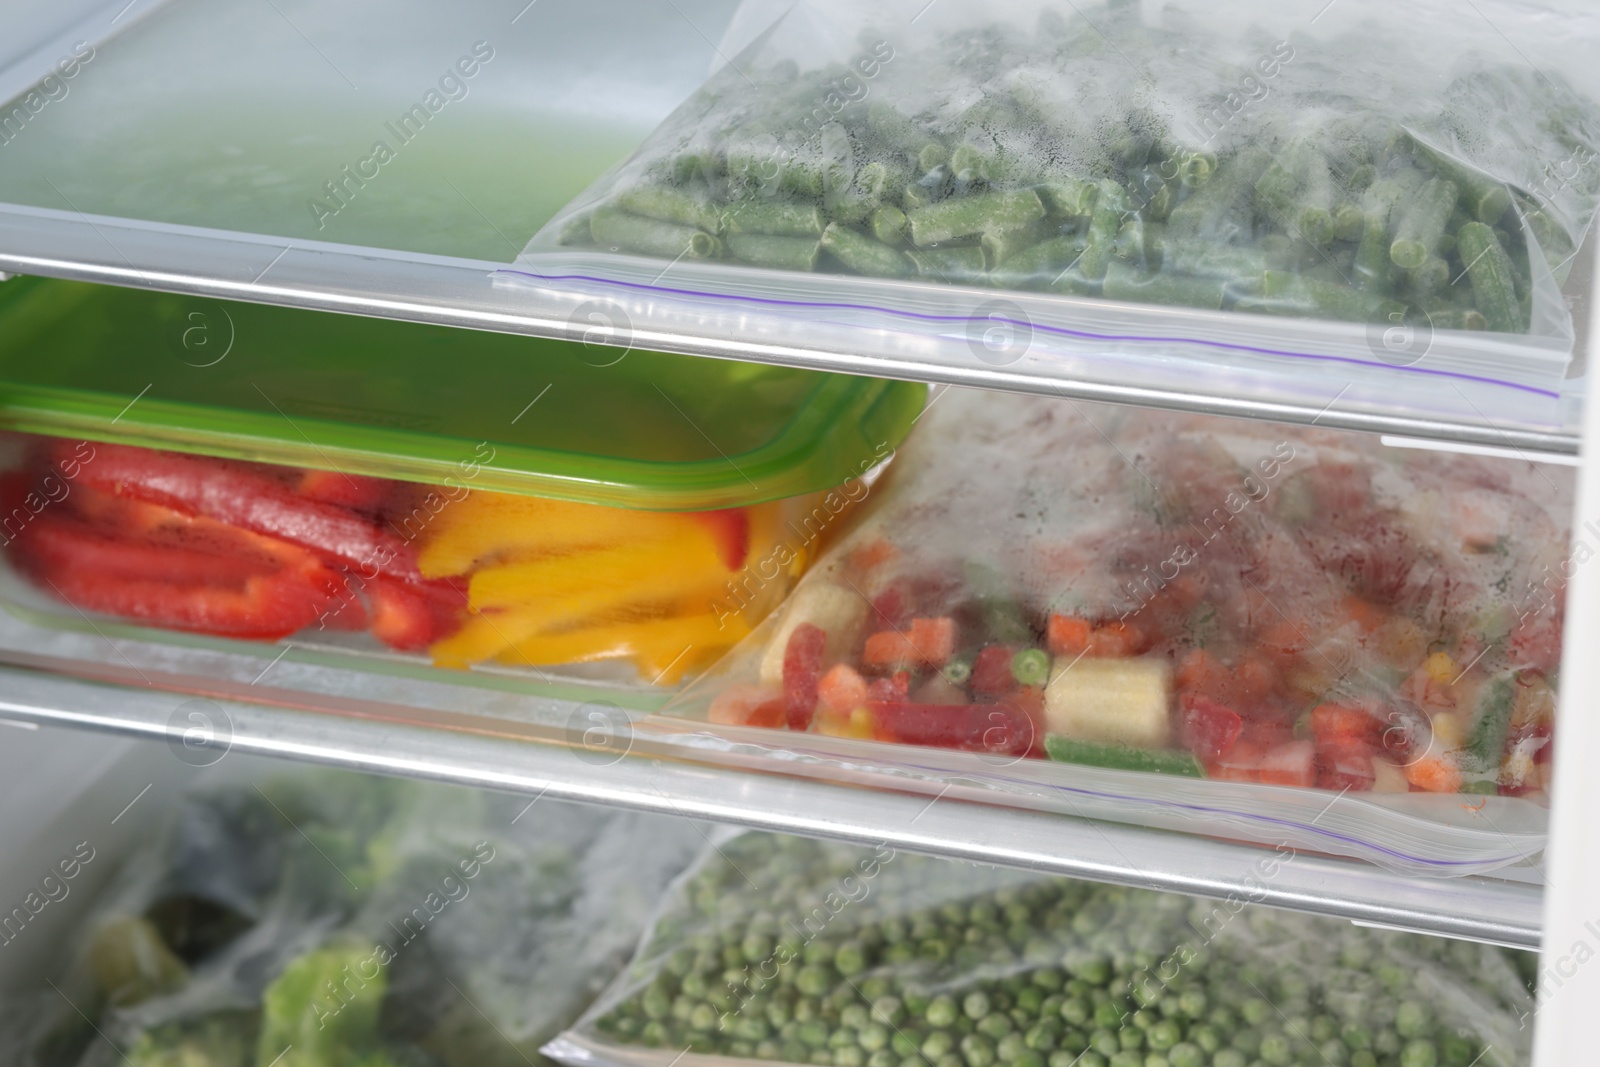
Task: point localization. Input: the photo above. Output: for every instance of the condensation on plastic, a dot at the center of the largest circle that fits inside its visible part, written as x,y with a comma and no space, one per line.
316,859
797,896
1086,511
1460,85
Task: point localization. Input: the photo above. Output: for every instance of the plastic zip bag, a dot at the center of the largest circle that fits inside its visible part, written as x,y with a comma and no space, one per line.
793,951
1154,195
357,919
1230,628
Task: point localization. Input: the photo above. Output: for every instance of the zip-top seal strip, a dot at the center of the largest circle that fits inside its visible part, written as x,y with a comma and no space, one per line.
1059,330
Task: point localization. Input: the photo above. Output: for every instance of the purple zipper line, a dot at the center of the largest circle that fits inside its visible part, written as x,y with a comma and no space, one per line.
1199,808
1081,334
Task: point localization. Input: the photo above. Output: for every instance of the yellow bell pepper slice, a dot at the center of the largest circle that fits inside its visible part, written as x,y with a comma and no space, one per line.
486,526
591,581
662,649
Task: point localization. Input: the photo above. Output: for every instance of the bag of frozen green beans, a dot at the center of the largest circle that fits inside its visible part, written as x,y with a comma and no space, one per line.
1388,188
794,951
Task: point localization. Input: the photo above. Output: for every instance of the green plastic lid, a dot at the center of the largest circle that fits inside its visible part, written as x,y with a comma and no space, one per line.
560,419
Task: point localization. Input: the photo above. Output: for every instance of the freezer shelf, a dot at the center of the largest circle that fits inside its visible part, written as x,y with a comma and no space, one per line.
298,706
191,183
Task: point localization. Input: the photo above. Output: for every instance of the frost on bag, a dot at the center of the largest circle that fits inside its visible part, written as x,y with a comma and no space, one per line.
1398,165
794,951
1214,602
335,919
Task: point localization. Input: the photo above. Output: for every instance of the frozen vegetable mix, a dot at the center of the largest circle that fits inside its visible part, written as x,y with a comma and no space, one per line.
1201,599
260,552
1231,157
331,920
797,952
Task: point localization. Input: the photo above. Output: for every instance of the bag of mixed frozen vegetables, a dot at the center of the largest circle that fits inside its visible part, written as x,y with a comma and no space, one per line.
333,919
794,951
1236,627
1398,167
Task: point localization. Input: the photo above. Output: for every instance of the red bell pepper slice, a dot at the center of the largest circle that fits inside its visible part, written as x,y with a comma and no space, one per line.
240,495
802,670
730,529
1210,730
890,690
1333,725
991,672
413,615
997,729
357,492
96,573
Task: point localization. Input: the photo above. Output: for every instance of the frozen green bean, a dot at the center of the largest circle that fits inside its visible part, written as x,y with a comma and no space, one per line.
1110,209
1490,270
862,254
950,263
1068,197
1003,243
1422,223
1484,198
672,205
968,216
781,253
888,224
635,233
780,218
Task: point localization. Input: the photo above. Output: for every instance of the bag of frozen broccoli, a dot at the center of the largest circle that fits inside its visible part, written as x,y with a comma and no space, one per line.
328,919
1385,191
794,951
1221,626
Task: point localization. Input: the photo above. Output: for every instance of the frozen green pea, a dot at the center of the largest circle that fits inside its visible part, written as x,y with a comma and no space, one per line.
634,233
1419,1054
996,1024
814,981
851,959
883,1058
779,253
977,1050
936,1044
854,1016
1184,1054
1276,1049
976,1004
941,1011
1164,1034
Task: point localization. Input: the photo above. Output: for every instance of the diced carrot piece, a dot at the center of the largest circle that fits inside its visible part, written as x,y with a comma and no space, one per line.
1434,774
934,640
929,643
886,650
1067,635
842,688
1116,639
